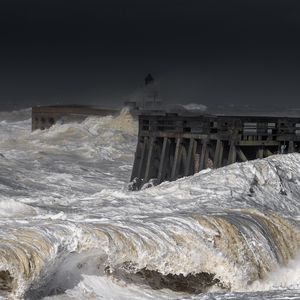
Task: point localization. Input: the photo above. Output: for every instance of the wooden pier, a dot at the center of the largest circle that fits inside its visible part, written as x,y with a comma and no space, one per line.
171,145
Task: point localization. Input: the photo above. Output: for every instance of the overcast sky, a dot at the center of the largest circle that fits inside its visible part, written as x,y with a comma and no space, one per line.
99,51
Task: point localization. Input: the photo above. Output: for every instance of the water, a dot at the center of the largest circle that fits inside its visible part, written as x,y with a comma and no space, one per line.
70,229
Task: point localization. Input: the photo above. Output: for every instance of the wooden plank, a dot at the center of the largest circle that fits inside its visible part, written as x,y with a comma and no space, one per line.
162,162
257,143
189,158
149,159
176,160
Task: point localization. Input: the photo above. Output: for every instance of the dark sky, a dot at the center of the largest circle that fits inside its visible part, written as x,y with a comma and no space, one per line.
99,51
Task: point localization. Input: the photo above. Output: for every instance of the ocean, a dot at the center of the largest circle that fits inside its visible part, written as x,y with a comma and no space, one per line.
71,229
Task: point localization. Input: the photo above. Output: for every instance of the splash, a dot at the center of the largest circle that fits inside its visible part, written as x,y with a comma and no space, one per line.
70,228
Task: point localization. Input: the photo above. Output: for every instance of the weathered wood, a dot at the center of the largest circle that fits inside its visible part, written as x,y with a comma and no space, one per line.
203,155
162,162
260,153
189,158
220,163
241,154
182,161
216,162
232,153
291,148
149,159
188,144
141,171
176,159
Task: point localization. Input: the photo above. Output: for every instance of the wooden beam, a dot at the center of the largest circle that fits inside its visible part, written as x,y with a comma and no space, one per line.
143,155
220,163
260,153
241,154
203,154
149,159
291,148
176,159
189,158
232,153
162,161
217,154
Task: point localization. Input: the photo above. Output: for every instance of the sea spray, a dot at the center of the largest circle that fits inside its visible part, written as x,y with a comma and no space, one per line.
70,228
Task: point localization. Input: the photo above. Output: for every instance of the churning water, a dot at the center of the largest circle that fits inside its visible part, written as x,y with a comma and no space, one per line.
70,229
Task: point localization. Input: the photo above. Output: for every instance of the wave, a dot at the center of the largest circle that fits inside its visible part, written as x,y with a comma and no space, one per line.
69,225
191,253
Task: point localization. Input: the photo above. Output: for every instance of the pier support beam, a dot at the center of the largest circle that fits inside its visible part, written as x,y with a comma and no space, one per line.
232,153
149,159
260,153
187,170
204,155
218,155
162,162
141,167
291,148
241,154
176,159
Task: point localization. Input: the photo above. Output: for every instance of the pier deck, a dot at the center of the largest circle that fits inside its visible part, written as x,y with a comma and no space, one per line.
171,145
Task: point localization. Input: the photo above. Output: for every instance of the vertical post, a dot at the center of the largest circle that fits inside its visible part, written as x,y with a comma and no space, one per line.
162,159
232,153
260,152
149,159
142,160
176,159
217,154
241,154
203,154
291,148
220,159
189,158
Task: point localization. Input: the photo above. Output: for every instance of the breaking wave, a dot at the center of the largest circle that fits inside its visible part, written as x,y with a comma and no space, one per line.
71,229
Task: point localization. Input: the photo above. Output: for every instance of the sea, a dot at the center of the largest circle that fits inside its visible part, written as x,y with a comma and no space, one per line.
71,229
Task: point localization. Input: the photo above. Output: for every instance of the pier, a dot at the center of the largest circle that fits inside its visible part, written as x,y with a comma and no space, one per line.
173,145
44,117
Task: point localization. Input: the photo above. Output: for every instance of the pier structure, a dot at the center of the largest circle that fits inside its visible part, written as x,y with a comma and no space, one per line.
171,145
44,117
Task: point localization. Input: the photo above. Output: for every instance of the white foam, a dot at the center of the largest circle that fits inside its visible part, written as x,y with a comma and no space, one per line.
73,179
